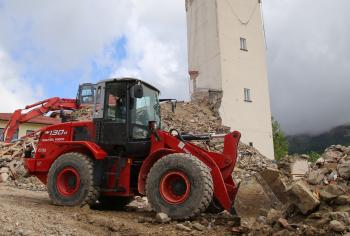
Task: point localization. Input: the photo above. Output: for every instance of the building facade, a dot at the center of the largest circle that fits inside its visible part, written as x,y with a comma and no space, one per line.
227,56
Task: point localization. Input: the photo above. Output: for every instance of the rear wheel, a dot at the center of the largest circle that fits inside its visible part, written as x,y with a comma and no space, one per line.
179,185
71,180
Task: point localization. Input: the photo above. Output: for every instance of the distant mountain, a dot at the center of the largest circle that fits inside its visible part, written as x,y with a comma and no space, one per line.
318,143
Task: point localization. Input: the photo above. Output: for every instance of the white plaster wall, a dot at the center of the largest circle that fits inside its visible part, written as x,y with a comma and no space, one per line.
214,31
245,69
203,43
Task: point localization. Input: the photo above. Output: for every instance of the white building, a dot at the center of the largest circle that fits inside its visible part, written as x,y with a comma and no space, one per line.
227,55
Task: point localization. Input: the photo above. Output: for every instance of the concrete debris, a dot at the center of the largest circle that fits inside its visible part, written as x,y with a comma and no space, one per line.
344,170
189,117
330,192
162,218
260,193
4,177
342,200
285,224
306,200
141,204
336,226
198,226
295,167
316,204
340,216
183,227
335,153
12,169
83,114
316,176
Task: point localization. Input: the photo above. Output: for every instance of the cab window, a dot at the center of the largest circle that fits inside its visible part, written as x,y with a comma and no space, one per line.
116,109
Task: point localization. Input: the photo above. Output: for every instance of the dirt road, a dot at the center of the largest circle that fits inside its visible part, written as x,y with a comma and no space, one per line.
24,212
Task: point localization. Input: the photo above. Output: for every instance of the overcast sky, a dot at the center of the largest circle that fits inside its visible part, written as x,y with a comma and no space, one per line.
48,47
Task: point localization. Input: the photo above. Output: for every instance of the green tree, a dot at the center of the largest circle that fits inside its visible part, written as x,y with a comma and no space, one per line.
314,156
280,142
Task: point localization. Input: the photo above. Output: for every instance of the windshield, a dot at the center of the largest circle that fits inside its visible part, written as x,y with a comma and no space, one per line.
143,110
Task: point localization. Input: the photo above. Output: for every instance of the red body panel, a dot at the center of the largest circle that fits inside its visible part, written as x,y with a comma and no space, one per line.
55,141
122,183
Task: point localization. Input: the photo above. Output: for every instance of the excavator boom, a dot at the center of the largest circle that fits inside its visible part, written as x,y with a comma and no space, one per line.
85,96
38,109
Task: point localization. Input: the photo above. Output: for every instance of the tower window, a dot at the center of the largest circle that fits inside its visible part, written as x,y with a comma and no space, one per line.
244,44
247,95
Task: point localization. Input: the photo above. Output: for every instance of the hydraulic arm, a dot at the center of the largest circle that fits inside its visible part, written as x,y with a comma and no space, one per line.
35,110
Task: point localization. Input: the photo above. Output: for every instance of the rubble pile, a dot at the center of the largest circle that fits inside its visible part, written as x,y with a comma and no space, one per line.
190,117
318,204
294,167
333,166
250,161
83,114
12,169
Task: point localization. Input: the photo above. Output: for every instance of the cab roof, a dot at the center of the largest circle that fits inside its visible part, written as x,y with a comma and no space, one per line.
126,79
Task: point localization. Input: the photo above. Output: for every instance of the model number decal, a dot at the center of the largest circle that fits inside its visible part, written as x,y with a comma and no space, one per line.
56,132
42,150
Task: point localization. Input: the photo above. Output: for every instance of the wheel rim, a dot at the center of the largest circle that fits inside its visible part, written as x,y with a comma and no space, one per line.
68,181
175,187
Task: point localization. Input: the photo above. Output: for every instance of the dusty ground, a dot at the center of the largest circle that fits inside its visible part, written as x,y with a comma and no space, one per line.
24,212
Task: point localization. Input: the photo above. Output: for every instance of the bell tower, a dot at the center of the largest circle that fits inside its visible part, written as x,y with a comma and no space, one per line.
227,58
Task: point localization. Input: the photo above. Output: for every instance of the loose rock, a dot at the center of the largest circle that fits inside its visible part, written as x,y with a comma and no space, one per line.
162,218
336,226
183,228
306,199
344,170
198,226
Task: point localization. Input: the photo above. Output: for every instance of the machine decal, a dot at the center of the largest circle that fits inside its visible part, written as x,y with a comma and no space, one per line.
56,132
42,150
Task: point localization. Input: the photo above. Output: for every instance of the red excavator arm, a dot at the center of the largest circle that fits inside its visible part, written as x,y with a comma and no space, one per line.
39,108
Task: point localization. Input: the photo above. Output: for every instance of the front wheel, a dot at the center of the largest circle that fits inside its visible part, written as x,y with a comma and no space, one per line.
179,185
71,180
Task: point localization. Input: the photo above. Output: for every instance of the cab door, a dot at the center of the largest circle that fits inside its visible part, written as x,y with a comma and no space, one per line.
113,126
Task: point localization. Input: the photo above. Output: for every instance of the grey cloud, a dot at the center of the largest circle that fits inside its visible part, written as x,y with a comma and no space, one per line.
309,63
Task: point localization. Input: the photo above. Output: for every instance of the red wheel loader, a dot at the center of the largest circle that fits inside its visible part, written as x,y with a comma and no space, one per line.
122,153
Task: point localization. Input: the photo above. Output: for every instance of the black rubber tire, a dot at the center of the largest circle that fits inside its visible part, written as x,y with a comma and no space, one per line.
201,190
112,203
88,192
214,207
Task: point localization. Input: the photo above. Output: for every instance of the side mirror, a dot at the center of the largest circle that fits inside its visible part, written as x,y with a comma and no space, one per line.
138,91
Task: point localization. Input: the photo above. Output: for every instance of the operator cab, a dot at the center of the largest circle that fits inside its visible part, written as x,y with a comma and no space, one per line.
122,111
86,94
